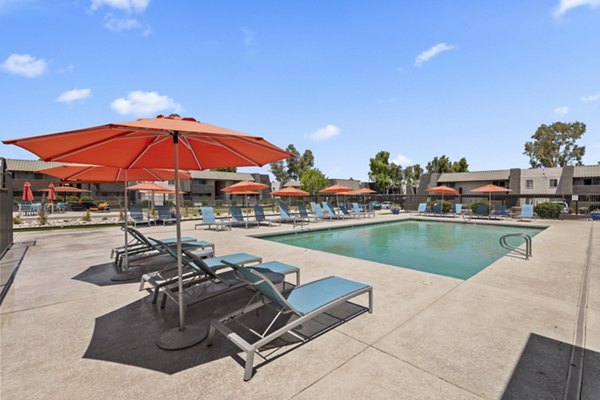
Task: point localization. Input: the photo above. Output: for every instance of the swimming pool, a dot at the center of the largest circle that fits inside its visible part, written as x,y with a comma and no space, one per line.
457,250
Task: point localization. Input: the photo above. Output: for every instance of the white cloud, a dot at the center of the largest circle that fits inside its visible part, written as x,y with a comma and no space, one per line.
119,24
129,6
73,95
325,133
589,99
565,5
401,159
432,52
25,65
564,110
142,103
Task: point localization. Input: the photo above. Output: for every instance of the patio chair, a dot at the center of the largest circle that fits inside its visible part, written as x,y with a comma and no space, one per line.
304,302
141,247
60,207
164,215
482,211
358,212
346,213
237,218
456,209
136,216
206,270
501,211
208,218
285,214
25,208
319,212
422,209
526,212
259,215
329,211
436,210
305,215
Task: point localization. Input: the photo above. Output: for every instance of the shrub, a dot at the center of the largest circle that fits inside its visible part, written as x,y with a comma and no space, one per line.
87,217
233,203
42,217
219,203
121,215
169,203
17,220
60,199
87,198
446,205
188,203
594,208
72,199
548,210
186,212
146,203
204,203
477,203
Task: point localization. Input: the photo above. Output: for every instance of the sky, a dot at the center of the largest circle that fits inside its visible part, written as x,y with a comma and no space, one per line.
345,79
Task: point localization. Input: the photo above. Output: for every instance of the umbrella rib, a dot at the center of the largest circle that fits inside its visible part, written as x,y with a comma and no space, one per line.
157,140
217,143
152,173
188,145
85,147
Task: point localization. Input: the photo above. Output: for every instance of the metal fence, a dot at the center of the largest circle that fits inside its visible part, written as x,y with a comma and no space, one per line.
6,208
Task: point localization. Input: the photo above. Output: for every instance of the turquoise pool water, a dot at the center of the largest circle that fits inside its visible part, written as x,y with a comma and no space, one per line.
451,249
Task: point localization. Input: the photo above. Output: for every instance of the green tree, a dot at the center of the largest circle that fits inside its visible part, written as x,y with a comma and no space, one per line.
554,145
460,165
229,169
395,172
412,174
293,164
307,161
439,165
313,180
279,171
379,170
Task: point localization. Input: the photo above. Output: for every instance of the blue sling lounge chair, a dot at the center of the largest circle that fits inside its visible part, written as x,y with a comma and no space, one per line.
305,302
208,218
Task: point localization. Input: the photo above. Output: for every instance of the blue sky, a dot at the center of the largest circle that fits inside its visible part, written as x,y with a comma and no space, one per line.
343,78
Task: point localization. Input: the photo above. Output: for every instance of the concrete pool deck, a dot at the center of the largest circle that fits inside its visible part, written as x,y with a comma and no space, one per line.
507,332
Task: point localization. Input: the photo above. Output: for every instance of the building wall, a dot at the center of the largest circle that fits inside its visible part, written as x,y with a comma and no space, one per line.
541,178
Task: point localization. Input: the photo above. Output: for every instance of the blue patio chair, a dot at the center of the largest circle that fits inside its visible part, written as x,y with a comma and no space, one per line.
164,215
303,302
347,213
25,208
208,219
526,212
501,211
305,215
60,207
437,209
136,216
456,209
422,209
237,218
329,211
358,212
319,212
482,210
286,216
259,215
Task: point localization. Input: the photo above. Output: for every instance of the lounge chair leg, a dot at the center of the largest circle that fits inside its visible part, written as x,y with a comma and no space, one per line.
211,335
249,365
371,301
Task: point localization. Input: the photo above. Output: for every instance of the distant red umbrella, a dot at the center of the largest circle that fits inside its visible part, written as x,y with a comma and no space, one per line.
27,193
51,192
290,192
489,189
245,186
442,189
334,189
65,189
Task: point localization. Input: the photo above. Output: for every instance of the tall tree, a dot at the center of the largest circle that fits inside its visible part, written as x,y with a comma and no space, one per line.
313,180
396,176
279,171
307,161
293,164
439,165
379,170
460,166
554,145
412,174
228,169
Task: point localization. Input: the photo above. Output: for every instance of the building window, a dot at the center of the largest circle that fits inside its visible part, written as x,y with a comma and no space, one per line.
451,184
529,184
553,183
499,183
38,177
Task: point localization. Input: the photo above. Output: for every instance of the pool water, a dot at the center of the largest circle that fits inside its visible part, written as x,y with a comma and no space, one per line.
457,250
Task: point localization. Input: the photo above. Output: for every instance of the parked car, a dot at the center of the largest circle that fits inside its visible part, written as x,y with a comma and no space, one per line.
374,205
386,205
82,206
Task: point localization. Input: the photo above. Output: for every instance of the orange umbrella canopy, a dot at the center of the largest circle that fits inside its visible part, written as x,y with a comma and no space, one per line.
151,187
364,191
145,142
244,186
244,192
336,189
491,189
443,190
97,173
290,191
51,192
27,193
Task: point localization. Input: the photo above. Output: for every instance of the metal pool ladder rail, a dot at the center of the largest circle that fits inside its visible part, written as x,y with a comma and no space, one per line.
526,252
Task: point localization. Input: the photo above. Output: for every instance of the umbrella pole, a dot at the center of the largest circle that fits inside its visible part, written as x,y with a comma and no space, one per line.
181,337
126,267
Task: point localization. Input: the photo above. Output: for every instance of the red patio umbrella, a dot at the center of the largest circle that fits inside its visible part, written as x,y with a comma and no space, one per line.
443,190
290,192
65,189
336,189
51,196
143,144
244,186
27,193
490,189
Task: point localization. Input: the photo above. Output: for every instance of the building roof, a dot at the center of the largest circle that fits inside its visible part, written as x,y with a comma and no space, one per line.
292,184
221,176
29,165
495,175
354,184
587,171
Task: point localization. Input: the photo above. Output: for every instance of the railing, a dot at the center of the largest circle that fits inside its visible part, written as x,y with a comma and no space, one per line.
526,253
